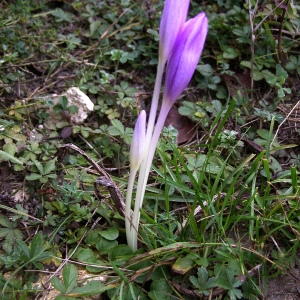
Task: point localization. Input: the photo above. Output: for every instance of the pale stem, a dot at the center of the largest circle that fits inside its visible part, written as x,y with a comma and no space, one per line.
143,176
146,165
128,219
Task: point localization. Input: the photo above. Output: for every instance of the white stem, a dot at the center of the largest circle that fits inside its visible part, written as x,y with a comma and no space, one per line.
146,165
143,176
128,217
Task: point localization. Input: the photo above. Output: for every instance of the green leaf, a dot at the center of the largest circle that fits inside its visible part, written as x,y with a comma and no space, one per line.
10,148
235,294
8,157
104,245
234,265
271,79
230,53
91,288
257,75
58,284
246,64
86,255
60,297
202,261
206,70
110,234
11,235
4,232
98,266
117,129
72,109
39,166
63,101
275,165
51,176
49,166
187,109
160,289
120,252
264,133
43,179
226,280
280,71
36,245
92,237
33,176
70,275
203,283
94,26
24,248
4,221
38,265
267,74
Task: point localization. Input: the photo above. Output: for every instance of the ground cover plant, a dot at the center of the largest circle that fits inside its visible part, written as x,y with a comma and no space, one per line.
220,218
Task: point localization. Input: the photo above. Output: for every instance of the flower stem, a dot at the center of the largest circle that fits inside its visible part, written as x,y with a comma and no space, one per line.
146,163
144,173
128,217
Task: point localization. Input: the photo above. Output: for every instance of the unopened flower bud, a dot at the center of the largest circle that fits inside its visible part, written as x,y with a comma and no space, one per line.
138,141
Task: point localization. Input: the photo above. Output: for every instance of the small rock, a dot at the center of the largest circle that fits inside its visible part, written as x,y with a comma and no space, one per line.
82,101
75,97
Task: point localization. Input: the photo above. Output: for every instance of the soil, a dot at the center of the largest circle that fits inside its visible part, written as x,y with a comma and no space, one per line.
284,287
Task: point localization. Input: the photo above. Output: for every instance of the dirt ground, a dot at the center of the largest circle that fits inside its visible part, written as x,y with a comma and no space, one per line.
285,287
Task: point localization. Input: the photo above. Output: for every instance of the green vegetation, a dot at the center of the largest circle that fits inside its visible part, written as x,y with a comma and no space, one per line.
221,210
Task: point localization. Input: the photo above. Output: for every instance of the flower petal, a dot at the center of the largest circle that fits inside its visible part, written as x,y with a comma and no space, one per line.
138,141
185,57
172,22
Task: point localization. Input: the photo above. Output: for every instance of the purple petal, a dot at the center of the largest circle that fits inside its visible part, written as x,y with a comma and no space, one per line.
172,22
185,57
138,141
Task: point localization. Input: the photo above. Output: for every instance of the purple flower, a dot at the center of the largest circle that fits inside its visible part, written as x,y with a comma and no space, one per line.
138,141
185,57
171,24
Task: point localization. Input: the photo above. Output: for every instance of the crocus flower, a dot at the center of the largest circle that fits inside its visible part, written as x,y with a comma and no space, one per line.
171,24
185,57
181,44
172,21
